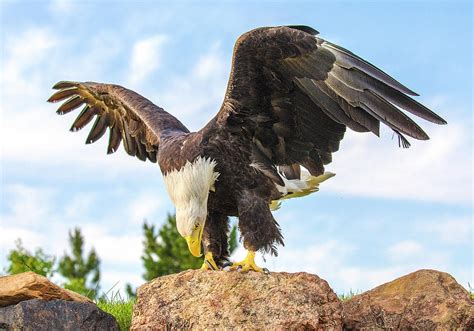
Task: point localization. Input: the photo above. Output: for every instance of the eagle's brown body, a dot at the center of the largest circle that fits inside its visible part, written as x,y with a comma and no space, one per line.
289,99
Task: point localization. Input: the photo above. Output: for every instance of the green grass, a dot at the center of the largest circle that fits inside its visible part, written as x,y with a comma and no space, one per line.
348,295
120,308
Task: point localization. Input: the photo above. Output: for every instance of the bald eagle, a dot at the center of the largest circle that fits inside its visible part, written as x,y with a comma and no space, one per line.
289,99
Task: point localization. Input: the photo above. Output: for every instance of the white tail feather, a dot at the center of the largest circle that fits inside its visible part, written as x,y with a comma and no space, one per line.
296,188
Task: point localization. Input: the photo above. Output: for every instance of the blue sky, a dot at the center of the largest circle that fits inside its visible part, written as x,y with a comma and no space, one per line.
387,212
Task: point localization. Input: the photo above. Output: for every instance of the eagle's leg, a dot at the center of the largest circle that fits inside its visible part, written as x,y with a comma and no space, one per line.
215,241
259,230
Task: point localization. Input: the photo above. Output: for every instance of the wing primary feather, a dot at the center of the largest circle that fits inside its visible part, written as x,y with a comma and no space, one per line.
384,109
70,105
64,84
62,94
98,130
347,59
84,118
141,150
152,156
397,118
128,140
115,137
357,79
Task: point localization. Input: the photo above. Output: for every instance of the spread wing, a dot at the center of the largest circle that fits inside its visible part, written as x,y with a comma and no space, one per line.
292,95
129,117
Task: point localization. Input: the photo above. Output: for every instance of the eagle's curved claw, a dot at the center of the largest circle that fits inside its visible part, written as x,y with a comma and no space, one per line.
248,264
209,263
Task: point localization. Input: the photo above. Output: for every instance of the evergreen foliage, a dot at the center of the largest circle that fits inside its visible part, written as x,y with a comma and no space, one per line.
166,252
21,260
82,274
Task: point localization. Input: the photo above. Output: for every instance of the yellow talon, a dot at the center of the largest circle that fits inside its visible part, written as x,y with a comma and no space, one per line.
248,264
209,263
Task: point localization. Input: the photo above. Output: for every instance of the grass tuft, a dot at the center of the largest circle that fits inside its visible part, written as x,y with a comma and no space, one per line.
348,295
118,307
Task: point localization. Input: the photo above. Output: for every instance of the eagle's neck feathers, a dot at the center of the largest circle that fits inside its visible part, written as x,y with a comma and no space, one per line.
189,188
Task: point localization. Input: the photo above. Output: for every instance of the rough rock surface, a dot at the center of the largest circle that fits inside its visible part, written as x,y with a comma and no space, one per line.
196,299
28,285
41,315
423,300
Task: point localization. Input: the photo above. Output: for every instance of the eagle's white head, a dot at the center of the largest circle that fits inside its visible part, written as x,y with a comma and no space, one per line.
189,189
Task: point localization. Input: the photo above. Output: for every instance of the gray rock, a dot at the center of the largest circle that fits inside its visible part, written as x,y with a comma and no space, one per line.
53,315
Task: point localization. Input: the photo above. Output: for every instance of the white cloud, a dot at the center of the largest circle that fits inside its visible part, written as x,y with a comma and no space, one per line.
452,231
62,6
114,249
145,58
13,232
196,97
79,205
144,206
27,205
439,169
22,54
405,250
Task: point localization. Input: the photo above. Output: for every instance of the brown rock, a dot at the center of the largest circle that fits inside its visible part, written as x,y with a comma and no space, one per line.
196,299
423,300
28,285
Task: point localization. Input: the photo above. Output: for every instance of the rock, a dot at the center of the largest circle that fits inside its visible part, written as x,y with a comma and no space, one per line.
41,315
196,299
29,285
423,300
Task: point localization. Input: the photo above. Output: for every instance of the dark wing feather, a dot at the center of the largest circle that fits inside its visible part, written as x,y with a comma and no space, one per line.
291,95
129,117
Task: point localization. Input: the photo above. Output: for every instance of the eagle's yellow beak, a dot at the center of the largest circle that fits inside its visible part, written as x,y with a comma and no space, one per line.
194,241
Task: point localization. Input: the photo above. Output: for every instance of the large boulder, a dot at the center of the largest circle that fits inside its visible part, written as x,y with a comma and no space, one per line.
196,299
42,315
29,285
423,300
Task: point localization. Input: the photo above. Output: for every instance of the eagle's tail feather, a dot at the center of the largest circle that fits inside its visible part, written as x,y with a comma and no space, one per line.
297,188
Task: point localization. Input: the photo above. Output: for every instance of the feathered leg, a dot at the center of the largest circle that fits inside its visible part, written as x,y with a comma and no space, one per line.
215,241
259,230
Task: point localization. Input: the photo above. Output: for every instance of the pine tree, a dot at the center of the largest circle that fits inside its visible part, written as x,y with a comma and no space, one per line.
82,274
166,252
21,260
